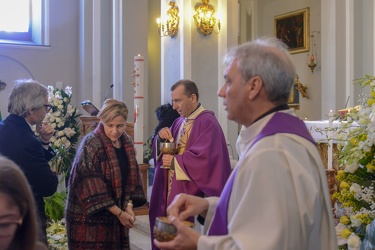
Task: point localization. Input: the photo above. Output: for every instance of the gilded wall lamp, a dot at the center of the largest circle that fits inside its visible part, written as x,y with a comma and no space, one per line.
312,56
169,27
205,18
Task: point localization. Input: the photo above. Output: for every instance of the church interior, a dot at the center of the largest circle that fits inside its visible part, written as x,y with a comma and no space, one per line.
106,49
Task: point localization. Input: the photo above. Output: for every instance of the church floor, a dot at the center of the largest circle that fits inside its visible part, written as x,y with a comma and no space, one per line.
140,234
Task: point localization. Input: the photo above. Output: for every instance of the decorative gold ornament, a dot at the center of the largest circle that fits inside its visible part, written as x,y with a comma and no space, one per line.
170,26
301,88
205,18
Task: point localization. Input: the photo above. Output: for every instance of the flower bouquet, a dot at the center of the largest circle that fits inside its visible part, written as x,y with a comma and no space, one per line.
63,118
357,170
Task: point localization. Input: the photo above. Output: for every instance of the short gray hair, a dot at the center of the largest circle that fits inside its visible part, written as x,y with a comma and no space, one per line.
269,59
27,94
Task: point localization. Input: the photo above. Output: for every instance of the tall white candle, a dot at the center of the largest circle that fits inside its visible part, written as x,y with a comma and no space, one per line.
138,74
330,132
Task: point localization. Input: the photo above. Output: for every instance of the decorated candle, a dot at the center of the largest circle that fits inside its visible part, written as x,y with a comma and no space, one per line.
138,74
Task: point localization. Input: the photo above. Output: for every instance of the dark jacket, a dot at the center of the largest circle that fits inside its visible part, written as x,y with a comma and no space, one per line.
19,143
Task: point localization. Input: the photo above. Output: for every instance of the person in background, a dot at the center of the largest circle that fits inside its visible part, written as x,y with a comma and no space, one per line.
28,106
166,116
201,167
18,219
105,183
277,196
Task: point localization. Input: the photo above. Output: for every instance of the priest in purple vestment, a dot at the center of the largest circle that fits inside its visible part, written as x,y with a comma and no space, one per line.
201,166
277,195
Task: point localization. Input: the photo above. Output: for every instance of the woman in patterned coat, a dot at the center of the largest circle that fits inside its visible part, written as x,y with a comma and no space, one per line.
104,185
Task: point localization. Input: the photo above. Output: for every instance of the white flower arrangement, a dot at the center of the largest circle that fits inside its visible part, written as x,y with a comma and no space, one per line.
357,171
63,118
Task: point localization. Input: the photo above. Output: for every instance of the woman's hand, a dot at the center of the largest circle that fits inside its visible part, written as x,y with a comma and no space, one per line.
129,210
127,219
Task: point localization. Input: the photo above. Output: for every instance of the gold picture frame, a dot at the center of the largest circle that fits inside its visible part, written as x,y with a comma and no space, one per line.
293,28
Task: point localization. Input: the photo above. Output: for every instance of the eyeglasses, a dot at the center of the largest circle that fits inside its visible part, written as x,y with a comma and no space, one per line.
8,228
48,107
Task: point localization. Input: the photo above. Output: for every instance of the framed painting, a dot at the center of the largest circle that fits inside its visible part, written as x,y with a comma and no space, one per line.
293,29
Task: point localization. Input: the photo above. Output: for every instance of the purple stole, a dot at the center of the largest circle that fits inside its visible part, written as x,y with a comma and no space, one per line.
279,123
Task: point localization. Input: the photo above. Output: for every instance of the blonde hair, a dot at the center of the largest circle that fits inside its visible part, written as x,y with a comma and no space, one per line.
111,109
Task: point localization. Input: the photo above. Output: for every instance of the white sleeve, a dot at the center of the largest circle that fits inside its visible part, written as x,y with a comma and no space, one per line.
273,202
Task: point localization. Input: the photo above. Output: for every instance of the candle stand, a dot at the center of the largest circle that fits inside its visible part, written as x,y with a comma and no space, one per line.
332,185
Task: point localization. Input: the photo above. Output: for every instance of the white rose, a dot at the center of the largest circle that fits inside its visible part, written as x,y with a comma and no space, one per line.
352,167
339,228
67,144
356,188
354,242
63,139
57,143
53,125
60,106
69,132
356,222
58,120
60,133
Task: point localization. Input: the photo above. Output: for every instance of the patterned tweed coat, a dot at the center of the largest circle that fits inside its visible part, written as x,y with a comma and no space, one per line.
94,185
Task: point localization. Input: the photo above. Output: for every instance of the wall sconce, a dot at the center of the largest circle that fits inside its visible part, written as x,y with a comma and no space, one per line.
170,26
205,18
312,56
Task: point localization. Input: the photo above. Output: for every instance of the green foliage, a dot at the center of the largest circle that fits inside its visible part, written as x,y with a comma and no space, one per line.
55,205
147,150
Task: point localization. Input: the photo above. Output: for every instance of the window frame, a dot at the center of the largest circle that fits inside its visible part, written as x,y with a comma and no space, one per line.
38,33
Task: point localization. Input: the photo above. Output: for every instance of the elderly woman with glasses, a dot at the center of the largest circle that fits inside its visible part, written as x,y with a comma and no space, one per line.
18,223
28,106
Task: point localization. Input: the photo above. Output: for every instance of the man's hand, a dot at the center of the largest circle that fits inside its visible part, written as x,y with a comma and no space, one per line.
45,131
167,160
183,206
186,237
166,133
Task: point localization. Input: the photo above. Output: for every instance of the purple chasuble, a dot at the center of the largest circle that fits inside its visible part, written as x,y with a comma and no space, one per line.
205,161
280,123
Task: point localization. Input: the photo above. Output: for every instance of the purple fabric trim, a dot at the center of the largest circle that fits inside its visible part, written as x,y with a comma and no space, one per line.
279,123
